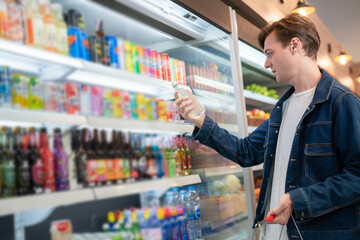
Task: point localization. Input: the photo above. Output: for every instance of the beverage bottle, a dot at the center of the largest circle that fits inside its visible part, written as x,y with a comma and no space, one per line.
73,20
7,163
168,199
61,162
155,231
48,162
50,42
181,223
134,106
151,165
72,98
104,147
152,201
126,158
182,92
177,156
70,150
140,156
91,163
99,32
186,152
100,163
167,231
79,145
184,202
61,29
194,223
117,103
170,158
182,156
34,24
116,159
36,164
125,103
173,228
15,21
22,164
140,99
109,161
142,223
3,20
134,161
119,153
164,160
159,161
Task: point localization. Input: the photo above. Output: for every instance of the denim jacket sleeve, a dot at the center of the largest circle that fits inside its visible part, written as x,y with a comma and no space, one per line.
246,152
343,189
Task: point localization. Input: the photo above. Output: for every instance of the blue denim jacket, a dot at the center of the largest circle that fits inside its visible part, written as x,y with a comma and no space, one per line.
323,176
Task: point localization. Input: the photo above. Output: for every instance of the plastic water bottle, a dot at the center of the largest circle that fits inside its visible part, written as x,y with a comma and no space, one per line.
176,195
182,92
195,227
154,224
151,200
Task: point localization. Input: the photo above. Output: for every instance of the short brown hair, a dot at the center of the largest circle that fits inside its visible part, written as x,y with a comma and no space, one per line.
294,25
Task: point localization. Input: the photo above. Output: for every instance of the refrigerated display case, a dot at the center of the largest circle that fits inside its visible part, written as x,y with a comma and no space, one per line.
208,72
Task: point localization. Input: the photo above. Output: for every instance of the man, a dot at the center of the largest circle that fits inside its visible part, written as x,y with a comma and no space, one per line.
310,145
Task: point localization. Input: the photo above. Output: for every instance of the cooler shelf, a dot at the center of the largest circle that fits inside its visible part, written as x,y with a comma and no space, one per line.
259,101
36,117
19,204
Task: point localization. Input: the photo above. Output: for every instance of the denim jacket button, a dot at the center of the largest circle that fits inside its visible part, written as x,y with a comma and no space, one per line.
276,131
271,155
277,107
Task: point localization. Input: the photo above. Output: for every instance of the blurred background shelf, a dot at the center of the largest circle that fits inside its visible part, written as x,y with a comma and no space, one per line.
259,101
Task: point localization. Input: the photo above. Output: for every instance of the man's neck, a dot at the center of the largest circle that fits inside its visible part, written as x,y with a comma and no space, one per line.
308,76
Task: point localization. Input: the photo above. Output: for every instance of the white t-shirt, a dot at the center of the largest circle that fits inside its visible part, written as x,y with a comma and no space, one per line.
294,110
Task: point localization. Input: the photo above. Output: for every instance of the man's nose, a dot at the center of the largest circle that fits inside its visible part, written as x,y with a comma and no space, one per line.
267,63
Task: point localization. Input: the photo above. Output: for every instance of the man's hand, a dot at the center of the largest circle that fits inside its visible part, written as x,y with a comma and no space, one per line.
185,107
282,211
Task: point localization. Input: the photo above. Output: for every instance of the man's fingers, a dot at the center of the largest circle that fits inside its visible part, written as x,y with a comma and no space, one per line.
179,101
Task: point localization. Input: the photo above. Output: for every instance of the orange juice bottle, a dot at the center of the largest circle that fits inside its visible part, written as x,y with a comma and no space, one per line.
34,24
49,26
3,20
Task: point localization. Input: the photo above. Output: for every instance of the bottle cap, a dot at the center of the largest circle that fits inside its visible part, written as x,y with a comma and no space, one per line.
191,188
174,84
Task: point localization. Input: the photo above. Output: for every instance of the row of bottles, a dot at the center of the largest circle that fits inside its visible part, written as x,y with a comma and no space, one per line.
85,158
28,92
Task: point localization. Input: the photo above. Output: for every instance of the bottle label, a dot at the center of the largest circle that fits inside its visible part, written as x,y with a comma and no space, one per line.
116,169
49,177
109,169
101,170
24,174
9,175
91,170
50,37
151,167
37,172
134,168
142,165
126,164
38,31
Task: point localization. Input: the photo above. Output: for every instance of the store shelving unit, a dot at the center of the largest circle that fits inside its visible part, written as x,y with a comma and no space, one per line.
18,204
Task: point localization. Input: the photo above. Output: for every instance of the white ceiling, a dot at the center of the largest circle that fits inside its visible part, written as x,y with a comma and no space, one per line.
342,18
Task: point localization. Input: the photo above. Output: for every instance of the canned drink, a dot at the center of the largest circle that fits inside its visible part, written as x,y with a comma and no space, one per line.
141,105
166,67
149,109
148,63
182,73
134,106
36,93
155,64
20,93
135,58
154,104
121,53
113,51
5,87
128,57
160,65
72,98
142,60
161,109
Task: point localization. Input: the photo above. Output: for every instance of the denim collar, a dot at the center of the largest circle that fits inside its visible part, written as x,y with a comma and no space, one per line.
322,90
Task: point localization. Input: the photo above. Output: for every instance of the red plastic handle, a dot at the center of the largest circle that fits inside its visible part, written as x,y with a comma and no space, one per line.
270,218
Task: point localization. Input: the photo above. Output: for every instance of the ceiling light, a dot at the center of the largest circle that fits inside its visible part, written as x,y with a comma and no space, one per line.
342,58
303,8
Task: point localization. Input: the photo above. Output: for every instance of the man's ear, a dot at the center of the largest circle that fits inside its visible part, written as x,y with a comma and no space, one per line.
295,44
